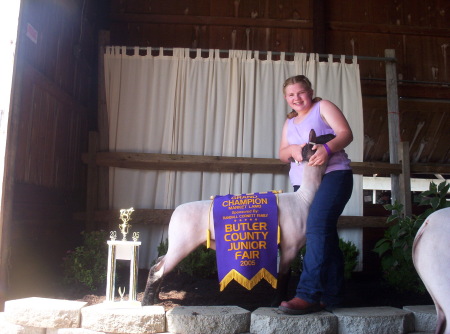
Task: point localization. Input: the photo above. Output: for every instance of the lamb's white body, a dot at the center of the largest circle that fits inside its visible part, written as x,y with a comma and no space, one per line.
189,222
431,256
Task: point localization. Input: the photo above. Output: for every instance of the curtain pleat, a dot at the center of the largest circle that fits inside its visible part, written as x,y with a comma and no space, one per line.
230,106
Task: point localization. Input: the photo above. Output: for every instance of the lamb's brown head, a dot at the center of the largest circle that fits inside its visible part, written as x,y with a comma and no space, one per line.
307,150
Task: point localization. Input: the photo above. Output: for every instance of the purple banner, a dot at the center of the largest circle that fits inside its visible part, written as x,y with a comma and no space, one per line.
246,228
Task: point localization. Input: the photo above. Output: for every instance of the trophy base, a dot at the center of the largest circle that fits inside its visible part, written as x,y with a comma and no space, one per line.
123,304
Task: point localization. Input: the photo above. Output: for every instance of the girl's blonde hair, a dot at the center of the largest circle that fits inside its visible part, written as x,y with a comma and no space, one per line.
301,79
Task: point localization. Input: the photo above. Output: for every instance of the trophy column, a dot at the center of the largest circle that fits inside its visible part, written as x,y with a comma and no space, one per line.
123,250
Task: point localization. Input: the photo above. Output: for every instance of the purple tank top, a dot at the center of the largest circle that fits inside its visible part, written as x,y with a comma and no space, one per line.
299,134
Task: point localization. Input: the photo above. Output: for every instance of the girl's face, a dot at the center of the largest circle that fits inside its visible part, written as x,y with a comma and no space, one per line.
299,97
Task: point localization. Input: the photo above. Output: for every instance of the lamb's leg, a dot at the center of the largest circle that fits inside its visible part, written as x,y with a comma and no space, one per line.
288,253
186,232
177,251
154,280
282,288
181,245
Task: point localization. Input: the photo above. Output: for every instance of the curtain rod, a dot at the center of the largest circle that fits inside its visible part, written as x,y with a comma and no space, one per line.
143,48
273,53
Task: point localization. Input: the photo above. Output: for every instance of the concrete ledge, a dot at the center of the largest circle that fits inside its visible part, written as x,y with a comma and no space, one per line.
8,328
54,316
374,320
208,319
267,320
72,331
44,312
425,317
100,317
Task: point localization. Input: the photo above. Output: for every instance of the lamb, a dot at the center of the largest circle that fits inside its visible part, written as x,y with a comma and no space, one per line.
431,259
189,222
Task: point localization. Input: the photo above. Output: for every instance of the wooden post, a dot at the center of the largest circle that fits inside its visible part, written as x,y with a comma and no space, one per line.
103,123
393,119
405,178
92,186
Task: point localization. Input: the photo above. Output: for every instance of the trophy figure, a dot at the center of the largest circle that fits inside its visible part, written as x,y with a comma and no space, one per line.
125,216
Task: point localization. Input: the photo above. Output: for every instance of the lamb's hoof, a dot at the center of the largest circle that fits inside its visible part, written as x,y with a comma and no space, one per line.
150,300
147,300
276,301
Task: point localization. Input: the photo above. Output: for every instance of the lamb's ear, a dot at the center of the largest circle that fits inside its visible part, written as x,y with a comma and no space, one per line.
312,136
307,150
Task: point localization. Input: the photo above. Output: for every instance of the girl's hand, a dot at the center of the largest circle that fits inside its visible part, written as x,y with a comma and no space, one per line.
296,153
320,157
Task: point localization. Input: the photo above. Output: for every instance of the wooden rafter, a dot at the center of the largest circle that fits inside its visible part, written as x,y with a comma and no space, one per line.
182,162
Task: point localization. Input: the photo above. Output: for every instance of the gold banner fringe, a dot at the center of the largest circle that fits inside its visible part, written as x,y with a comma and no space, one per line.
208,230
278,234
208,239
248,283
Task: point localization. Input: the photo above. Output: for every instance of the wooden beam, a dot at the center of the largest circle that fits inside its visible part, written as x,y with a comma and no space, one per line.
408,91
370,168
390,29
443,169
179,162
210,20
162,217
393,119
405,178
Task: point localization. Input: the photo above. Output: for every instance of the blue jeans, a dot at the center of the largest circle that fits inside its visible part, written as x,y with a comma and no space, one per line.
322,278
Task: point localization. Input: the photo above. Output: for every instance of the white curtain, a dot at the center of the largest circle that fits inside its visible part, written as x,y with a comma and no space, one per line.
220,106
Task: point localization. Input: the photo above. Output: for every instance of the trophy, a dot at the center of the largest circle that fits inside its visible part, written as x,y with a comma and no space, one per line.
123,250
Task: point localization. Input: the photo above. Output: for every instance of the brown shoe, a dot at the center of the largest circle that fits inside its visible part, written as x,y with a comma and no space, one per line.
297,306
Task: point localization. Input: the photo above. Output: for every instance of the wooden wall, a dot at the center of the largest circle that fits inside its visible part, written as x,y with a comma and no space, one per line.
55,92
418,32
54,107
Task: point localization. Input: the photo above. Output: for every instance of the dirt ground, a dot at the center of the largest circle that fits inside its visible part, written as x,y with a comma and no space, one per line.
184,290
